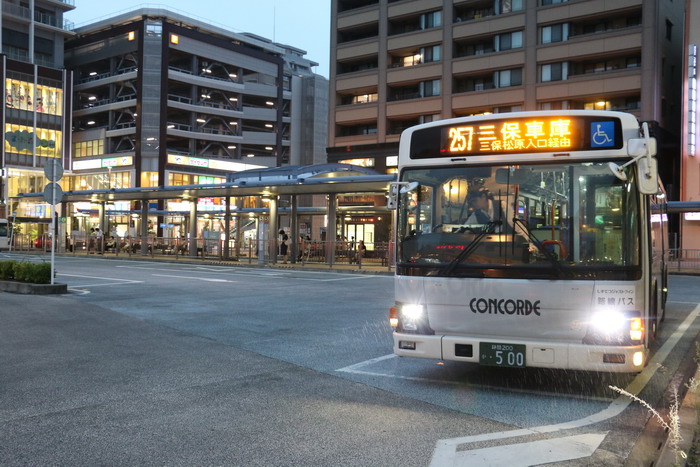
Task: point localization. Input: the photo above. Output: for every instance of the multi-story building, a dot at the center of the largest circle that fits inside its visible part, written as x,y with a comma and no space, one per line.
397,63
690,150
36,115
163,99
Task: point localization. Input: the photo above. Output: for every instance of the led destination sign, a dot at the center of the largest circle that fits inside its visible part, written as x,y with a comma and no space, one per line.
518,136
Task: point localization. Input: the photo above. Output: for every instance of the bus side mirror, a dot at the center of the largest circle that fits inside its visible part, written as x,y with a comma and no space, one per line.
393,196
647,176
399,187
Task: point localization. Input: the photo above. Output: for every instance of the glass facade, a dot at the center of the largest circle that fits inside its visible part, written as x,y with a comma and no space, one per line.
19,139
94,147
23,95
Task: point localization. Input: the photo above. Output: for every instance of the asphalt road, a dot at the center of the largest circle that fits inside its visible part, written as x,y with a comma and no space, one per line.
148,362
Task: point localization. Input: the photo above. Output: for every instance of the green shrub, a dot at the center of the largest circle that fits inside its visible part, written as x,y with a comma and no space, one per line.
35,273
41,273
21,271
7,270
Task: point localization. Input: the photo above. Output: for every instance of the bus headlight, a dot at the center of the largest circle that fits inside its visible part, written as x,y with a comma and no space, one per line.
412,312
615,327
412,318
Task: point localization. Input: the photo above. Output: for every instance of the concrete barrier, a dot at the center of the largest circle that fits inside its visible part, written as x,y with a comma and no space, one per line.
32,289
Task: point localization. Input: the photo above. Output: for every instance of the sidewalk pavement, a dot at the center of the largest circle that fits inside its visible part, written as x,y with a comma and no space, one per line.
368,267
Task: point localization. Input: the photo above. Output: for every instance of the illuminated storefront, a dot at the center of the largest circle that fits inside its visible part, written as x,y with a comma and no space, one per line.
24,95
35,122
21,139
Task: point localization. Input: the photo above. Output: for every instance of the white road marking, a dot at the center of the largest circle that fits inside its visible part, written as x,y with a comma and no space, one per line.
347,277
445,453
355,369
81,292
100,284
205,279
190,269
534,453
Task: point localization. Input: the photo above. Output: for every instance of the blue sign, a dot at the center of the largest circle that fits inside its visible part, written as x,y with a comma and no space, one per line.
602,134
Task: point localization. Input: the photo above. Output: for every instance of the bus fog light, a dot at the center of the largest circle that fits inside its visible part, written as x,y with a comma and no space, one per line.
407,345
638,358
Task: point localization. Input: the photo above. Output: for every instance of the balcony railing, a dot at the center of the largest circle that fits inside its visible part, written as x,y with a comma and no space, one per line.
106,101
16,10
176,98
107,74
205,75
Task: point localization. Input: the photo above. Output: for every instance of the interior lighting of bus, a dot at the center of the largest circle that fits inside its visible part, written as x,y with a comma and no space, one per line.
518,136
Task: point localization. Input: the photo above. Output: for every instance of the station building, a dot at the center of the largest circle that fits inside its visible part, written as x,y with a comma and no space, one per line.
161,99
36,117
398,63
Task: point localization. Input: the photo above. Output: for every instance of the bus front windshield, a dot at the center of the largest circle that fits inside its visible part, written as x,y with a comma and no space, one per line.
558,220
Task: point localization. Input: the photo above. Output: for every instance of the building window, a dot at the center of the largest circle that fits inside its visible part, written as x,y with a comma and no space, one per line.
430,54
669,30
20,95
508,6
507,78
554,33
554,105
94,147
508,41
428,118
553,2
149,179
431,20
366,98
357,130
154,29
21,139
554,72
430,88
507,109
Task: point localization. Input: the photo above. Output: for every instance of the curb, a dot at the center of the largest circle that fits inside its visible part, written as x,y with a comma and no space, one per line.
33,289
688,419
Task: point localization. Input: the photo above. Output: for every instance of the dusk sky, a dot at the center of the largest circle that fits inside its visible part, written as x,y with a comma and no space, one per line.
304,24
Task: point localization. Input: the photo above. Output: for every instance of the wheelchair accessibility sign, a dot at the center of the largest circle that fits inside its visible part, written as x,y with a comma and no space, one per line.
602,134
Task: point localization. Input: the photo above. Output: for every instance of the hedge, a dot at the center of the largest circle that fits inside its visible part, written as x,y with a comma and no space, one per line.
34,273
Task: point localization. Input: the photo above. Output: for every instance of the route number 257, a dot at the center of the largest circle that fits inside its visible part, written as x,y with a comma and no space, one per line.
461,138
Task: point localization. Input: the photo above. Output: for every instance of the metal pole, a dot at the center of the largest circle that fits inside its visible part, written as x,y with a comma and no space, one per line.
53,231
332,228
193,227
144,227
294,235
227,228
272,229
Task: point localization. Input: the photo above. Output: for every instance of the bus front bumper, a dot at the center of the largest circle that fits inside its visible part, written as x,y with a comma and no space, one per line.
612,359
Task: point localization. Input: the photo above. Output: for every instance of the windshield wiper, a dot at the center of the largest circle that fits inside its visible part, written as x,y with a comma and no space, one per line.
488,229
548,254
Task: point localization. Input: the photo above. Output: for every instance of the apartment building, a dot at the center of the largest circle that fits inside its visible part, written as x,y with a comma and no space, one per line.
36,115
397,63
690,152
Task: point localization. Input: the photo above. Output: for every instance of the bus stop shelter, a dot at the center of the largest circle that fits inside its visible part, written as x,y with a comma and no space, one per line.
331,180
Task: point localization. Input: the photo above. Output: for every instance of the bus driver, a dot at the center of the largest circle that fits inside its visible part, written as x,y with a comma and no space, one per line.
480,204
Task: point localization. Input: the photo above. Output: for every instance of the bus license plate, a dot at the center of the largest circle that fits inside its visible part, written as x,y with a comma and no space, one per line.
505,355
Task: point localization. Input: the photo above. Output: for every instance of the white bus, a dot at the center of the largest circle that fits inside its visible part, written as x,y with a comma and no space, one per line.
530,239
4,234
